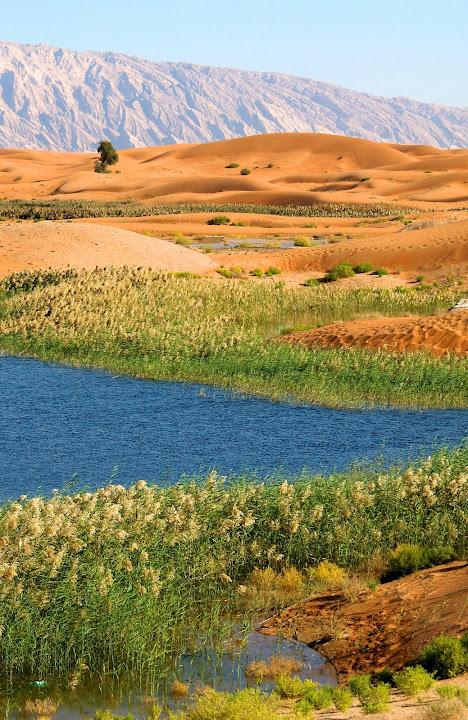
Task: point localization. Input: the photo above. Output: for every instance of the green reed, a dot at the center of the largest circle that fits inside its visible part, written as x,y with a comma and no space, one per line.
126,579
138,322
75,209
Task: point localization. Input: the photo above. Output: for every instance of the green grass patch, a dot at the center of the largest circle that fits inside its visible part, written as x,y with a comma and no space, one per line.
141,323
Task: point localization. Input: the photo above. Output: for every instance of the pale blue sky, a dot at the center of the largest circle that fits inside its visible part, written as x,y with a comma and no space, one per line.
416,48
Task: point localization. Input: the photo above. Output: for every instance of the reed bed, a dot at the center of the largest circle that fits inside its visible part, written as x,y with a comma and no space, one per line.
138,322
128,578
75,209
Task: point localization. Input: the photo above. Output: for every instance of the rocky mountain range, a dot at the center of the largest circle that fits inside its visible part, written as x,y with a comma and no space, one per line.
57,99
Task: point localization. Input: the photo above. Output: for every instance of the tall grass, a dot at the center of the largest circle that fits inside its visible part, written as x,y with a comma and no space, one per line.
127,578
69,209
142,323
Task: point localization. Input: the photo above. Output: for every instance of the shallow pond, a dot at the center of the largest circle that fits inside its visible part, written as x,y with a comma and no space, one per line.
57,422
224,671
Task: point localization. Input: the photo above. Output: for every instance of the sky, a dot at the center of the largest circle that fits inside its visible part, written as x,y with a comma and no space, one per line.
415,48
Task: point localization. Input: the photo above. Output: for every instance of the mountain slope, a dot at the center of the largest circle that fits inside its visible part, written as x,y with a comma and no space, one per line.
56,99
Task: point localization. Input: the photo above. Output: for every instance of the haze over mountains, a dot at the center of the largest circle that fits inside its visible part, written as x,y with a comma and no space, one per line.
56,99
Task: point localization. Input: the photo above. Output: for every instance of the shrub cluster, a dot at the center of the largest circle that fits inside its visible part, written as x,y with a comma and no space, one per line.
342,270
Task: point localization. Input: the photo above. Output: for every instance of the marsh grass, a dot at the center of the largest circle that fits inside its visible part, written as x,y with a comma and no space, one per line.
141,323
126,579
76,209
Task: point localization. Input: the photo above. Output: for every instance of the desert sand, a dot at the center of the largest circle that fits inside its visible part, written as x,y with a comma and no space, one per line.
439,334
306,168
62,244
286,169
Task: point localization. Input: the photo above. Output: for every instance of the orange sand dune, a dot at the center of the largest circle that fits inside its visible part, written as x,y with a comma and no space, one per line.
439,333
430,248
60,244
306,168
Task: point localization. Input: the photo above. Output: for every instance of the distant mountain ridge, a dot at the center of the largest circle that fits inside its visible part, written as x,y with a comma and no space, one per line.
57,99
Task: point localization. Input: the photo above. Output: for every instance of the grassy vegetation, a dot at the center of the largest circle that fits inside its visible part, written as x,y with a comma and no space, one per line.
127,578
69,209
138,322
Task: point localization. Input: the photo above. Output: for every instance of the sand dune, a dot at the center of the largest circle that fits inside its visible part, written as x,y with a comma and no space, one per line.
60,244
426,249
305,169
439,334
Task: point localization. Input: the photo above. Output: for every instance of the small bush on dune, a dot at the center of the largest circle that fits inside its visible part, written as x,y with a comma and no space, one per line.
445,657
342,270
380,272
413,680
224,272
184,241
359,685
232,165
273,271
342,699
312,282
452,709
363,268
376,699
219,220
246,704
319,698
447,692
303,242
258,272
245,171
290,687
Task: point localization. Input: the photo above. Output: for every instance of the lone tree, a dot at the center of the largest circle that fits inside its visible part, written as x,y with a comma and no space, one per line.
108,155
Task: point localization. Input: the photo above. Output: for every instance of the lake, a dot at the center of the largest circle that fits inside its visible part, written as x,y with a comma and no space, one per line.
61,423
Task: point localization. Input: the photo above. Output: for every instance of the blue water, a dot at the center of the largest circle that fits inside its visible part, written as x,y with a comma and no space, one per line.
56,422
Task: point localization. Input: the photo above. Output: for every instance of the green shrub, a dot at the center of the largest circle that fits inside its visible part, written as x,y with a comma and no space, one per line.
312,282
302,242
258,272
187,275
238,224
184,241
407,559
219,220
420,278
245,171
376,699
359,685
413,681
447,692
270,165
342,699
224,272
319,698
272,270
233,165
380,272
342,270
365,179
363,268
385,676
288,687
445,657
